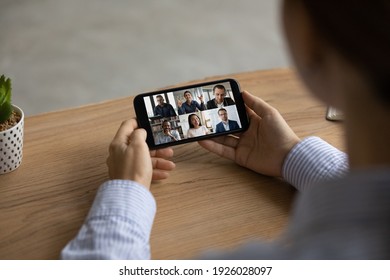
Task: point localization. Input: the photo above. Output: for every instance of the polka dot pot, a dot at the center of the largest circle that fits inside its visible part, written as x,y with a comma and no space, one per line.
11,145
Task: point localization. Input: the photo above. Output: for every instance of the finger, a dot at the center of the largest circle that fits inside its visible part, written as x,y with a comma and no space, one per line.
162,164
228,140
159,175
161,168
125,130
258,105
162,153
219,149
250,112
138,136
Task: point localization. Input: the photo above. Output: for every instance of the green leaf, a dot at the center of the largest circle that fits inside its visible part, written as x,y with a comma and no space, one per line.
5,98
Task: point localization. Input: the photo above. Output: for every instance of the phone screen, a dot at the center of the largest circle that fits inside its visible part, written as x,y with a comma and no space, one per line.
191,113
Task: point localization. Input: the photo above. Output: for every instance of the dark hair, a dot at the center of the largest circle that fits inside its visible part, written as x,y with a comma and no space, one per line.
219,87
359,30
222,109
186,92
164,121
189,120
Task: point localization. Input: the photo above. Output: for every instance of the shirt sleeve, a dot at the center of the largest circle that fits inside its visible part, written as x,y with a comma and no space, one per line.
118,225
312,161
181,110
201,106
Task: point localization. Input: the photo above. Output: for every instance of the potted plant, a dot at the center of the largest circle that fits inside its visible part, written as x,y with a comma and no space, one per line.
11,129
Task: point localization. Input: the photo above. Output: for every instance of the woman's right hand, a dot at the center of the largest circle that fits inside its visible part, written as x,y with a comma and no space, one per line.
264,146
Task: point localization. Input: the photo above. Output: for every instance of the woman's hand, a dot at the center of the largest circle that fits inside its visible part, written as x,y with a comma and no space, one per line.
266,143
129,157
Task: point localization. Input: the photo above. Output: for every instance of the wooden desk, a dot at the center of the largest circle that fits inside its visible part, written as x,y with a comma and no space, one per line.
207,201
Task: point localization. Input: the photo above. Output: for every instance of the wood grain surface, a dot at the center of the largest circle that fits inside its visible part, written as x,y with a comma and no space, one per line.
207,203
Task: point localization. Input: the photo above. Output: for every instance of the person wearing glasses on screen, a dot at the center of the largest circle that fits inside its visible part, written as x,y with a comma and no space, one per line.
220,100
163,109
225,124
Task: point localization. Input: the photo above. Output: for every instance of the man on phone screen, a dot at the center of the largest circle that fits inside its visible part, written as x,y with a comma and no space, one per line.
163,109
225,124
190,106
167,134
220,100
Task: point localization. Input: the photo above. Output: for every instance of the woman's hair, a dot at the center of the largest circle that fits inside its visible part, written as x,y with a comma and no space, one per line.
189,120
360,31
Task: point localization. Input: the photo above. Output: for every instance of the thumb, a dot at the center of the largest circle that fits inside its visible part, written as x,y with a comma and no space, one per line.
138,136
258,105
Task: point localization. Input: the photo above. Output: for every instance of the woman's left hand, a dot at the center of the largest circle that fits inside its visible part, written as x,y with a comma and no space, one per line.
129,157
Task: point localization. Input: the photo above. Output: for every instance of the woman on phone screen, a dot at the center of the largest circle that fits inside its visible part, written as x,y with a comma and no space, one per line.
196,127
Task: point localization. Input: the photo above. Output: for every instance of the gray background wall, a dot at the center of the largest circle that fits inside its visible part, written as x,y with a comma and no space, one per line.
61,54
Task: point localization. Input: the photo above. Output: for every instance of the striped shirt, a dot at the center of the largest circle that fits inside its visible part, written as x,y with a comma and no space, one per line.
313,161
119,223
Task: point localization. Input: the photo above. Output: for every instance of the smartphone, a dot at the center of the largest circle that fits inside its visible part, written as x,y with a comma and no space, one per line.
191,113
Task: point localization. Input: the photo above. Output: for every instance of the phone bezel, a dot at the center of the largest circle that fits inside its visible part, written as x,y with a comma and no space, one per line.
143,118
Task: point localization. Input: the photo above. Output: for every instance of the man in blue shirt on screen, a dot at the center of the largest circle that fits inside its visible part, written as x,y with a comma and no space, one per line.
191,106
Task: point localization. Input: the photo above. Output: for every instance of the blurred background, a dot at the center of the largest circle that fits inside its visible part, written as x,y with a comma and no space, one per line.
62,54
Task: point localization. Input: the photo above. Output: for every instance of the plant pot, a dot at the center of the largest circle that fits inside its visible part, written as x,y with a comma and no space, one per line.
11,145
